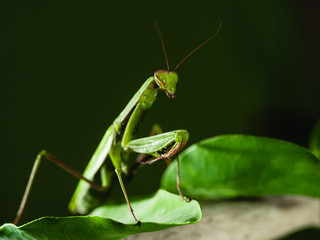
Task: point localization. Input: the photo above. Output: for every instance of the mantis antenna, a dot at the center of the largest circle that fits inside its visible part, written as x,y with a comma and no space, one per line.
162,42
164,49
210,38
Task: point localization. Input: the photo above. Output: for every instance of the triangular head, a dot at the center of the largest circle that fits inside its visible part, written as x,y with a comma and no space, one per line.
167,81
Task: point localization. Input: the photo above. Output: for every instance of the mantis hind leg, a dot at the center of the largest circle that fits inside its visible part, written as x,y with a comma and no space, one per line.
53,159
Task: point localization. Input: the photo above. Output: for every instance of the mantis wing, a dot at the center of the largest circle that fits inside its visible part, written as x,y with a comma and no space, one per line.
78,203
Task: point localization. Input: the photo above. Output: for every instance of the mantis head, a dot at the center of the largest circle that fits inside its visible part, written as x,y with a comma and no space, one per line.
167,81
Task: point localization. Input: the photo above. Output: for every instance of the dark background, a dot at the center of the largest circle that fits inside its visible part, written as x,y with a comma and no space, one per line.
68,69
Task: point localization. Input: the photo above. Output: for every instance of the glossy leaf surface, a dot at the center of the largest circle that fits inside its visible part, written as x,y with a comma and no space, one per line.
238,165
163,210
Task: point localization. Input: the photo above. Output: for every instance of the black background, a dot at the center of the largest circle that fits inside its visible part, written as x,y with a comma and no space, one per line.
69,68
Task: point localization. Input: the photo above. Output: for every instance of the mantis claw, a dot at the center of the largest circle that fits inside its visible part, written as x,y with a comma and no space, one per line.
139,224
187,199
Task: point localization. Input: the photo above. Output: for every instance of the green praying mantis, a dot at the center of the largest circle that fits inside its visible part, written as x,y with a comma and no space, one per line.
119,141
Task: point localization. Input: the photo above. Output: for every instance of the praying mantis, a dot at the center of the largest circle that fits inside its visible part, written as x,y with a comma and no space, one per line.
119,141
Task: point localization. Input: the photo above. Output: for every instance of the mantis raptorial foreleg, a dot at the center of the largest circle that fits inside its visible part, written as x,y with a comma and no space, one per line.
177,139
142,157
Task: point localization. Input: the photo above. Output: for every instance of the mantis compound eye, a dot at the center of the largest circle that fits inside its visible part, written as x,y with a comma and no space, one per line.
167,81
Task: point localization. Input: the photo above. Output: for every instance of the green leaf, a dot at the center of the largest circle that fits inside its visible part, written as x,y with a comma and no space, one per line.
314,144
238,165
308,233
163,210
